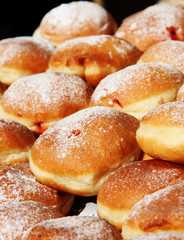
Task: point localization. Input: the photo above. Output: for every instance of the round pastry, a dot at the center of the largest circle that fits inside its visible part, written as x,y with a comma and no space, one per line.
128,185
159,211
156,23
138,88
93,57
75,228
39,100
22,56
80,151
17,183
161,132
171,52
18,217
75,19
16,141
165,235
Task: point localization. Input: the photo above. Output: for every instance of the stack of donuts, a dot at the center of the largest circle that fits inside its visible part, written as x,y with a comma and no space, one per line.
91,121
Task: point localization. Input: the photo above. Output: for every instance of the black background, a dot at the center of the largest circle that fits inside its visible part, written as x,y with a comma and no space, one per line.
20,18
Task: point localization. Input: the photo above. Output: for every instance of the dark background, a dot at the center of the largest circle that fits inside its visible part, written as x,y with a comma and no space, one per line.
20,18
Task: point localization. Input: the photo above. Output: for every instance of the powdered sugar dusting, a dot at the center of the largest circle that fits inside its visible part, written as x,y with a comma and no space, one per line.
17,218
77,135
138,179
78,227
168,201
18,184
110,43
171,52
76,16
153,24
51,93
169,114
11,48
148,77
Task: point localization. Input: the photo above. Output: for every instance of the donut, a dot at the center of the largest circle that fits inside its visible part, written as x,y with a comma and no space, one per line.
78,152
16,141
160,134
129,184
170,52
17,183
73,227
75,19
16,218
165,235
93,57
22,56
39,100
159,211
156,23
138,88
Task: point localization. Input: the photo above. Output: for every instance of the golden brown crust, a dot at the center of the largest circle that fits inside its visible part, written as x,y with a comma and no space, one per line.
75,227
75,19
156,23
19,217
94,57
169,114
138,88
86,147
14,136
16,141
161,130
23,56
136,180
17,184
128,185
159,211
44,98
170,52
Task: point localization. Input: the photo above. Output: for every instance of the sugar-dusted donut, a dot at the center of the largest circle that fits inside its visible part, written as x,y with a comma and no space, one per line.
16,218
78,153
93,57
161,132
17,184
16,141
170,52
22,56
128,185
39,100
156,23
75,19
75,228
138,88
159,211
